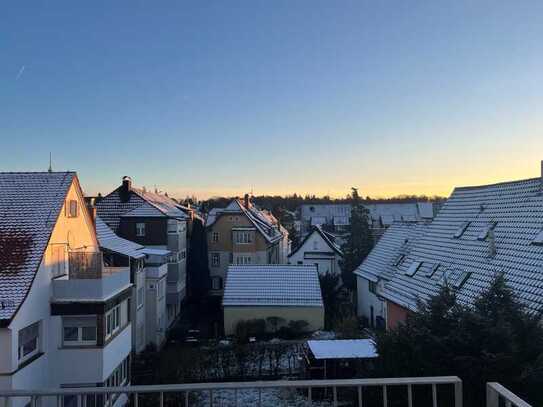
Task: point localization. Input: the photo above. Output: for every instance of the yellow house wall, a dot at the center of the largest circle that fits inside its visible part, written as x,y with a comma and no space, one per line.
312,315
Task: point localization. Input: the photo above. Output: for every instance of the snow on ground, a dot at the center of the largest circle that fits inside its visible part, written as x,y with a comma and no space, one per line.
270,398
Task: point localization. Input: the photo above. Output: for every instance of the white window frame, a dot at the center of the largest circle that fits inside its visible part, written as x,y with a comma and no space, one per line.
20,350
66,323
216,283
72,208
140,294
243,237
244,259
372,287
114,324
215,237
140,229
215,260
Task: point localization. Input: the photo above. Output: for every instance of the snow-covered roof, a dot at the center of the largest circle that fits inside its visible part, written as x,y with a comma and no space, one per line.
110,241
30,204
155,252
328,238
272,285
396,242
457,246
263,220
115,205
343,349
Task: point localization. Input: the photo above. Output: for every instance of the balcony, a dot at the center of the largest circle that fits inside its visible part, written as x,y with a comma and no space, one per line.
89,280
273,393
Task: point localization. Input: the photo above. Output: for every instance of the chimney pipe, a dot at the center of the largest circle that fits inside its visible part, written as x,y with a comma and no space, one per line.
246,201
125,188
92,211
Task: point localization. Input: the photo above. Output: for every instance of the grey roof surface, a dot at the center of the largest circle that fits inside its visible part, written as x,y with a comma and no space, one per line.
110,241
397,240
343,349
328,238
516,208
30,204
111,207
264,221
272,285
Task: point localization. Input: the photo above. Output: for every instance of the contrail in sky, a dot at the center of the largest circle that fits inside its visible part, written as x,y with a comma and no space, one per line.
20,72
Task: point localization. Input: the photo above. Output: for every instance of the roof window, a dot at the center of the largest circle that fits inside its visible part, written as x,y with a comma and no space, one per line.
538,240
398,260
413,268
432,270
486,230
461,229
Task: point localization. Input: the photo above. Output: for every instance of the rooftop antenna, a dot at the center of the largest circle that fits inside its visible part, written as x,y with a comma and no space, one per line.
50,169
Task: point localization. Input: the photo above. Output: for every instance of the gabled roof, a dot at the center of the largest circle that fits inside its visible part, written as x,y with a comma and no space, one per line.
138,203
456,248
263,220
272,285
396,242
30,204
326,237
110,241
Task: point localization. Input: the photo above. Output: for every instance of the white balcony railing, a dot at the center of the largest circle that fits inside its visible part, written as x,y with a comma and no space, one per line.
258,389
497,395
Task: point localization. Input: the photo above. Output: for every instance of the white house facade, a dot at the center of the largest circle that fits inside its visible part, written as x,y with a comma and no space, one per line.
319,249
61,308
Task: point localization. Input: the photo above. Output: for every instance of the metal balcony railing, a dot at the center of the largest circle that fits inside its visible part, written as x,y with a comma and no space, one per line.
497,395
259,388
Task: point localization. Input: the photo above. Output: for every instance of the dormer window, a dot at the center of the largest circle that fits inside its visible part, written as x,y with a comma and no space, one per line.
71,208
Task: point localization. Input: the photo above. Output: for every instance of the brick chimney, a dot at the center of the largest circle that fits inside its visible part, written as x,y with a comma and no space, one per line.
246,201
125,188
91,206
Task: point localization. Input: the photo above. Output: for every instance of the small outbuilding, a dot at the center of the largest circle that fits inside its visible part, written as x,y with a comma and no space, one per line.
288,292
339,359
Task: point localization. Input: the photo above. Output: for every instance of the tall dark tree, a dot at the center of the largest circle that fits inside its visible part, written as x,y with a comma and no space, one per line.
198,280
334,299
493,340
359,241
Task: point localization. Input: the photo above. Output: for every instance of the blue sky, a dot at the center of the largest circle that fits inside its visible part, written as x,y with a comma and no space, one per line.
212,98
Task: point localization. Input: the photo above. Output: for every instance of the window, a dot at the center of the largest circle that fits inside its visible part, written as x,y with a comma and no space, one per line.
58,254
315,245
140,295
173,258
215,237
243,237
119,377
398,260
29,341
79,331
243,259
173,227
216,283
373,287
215,260
461,229
183,254
116,318
413,267
71,208
300,262
140,334
140,229
161,288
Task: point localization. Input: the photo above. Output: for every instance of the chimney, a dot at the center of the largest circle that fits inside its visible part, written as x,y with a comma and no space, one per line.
92,211
246,201
491,243
125,188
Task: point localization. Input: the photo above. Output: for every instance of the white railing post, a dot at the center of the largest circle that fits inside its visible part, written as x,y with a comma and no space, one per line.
434,395
309,396
492,398
385,396
409,396
359,391
458,394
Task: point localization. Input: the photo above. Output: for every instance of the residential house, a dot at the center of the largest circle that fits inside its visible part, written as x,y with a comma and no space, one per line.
336,218
289,292
243,234
318,248
154,221
148,271
480,232
379,267
64,314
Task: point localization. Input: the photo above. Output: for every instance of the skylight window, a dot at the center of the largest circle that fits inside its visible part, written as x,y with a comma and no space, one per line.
413,268
455,278
538,240
460,278
398,260
460,231
486,230
432,270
